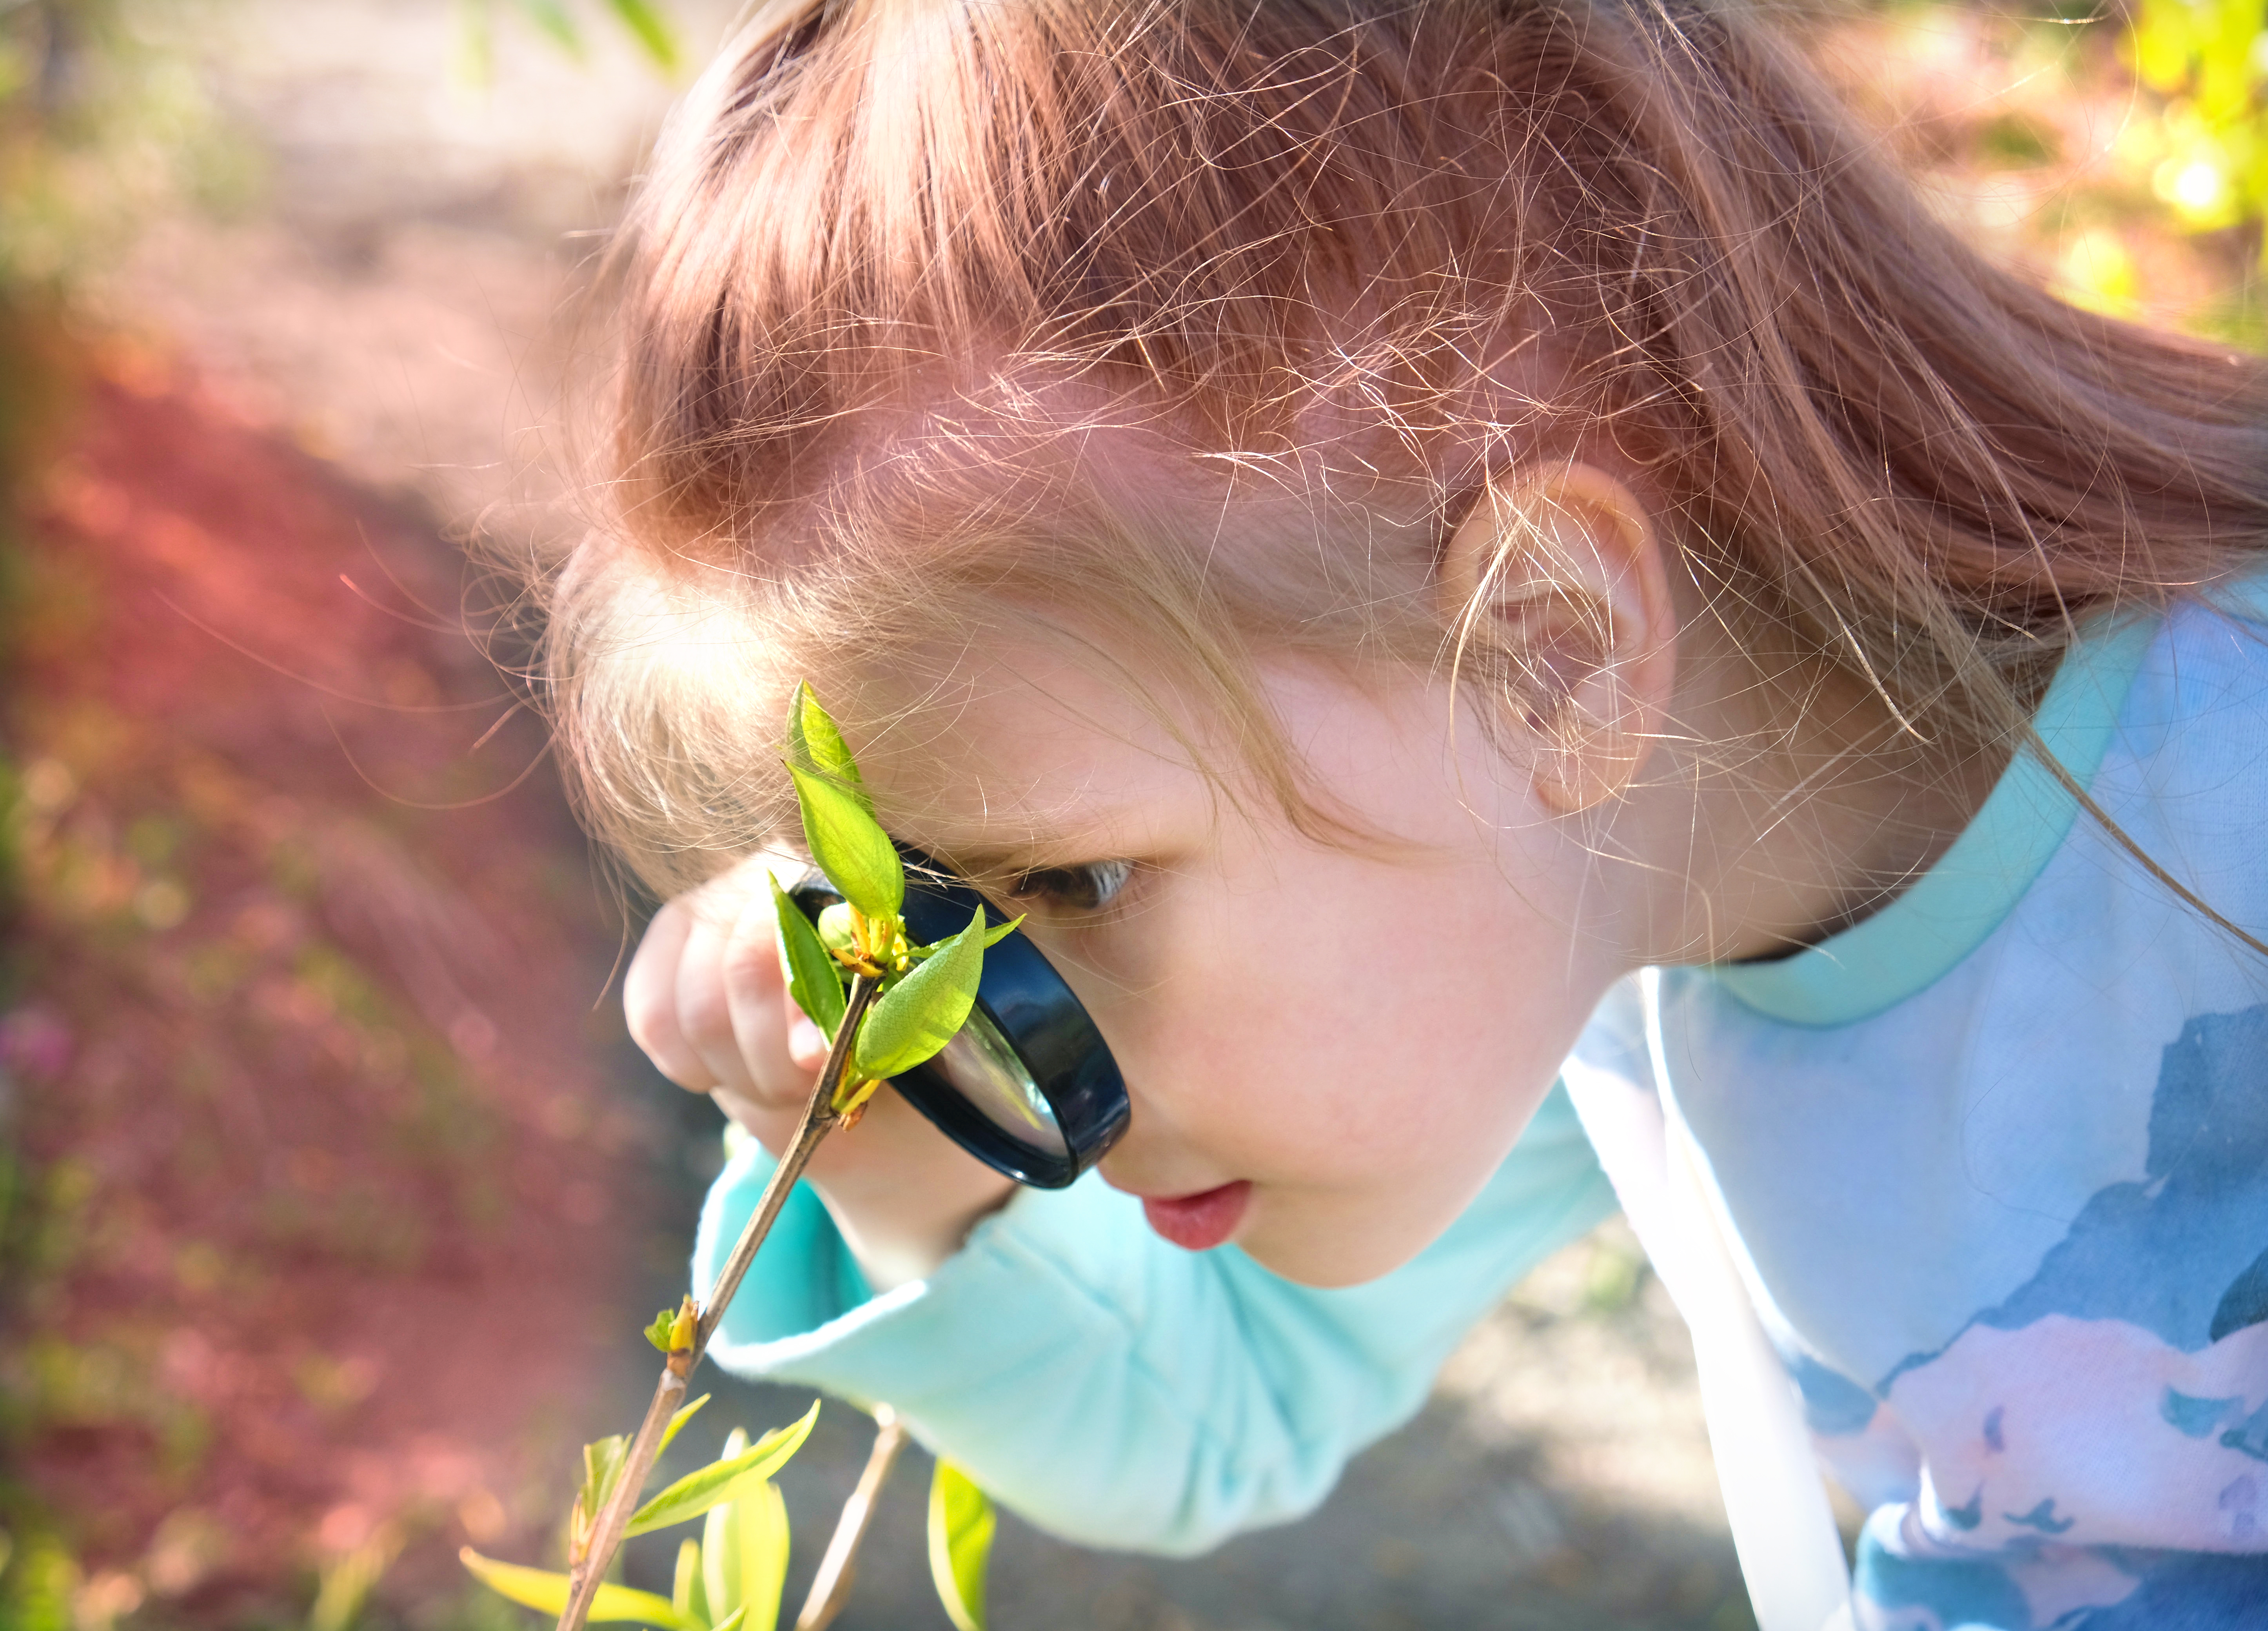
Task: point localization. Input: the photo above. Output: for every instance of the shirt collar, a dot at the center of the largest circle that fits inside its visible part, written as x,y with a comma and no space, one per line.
1947,912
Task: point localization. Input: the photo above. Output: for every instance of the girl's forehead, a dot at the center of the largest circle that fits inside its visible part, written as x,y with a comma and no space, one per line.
1033,756
1022,752
1016,720
1027,610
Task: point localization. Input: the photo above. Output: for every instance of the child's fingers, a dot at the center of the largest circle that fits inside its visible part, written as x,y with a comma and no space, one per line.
704,1010
807,1045
649,999
764,1019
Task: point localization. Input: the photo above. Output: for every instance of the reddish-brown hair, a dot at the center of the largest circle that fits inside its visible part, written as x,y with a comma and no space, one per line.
1482,228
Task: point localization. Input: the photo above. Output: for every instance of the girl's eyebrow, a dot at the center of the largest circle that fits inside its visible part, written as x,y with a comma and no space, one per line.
1041,849
1038,849
1035,853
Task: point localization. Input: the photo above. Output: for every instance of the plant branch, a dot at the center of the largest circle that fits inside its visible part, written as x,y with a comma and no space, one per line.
831,1588
614,1518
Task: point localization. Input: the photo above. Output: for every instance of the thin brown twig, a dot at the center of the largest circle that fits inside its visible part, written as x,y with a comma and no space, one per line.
818,1119
831,1588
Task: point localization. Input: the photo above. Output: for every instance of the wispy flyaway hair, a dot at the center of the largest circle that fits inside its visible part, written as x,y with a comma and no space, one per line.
1474,231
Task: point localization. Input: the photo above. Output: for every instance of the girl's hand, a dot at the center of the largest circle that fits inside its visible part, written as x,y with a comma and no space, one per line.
707,999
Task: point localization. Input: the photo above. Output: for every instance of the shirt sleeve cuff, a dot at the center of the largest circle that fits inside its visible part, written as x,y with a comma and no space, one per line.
804,1313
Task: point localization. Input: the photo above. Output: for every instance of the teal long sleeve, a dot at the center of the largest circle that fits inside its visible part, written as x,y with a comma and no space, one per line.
1119,1390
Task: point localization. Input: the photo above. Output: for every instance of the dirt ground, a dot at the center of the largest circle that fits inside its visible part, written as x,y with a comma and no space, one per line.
379,334
321,1119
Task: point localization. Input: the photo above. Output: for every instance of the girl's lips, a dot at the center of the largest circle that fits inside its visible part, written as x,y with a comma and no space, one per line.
1200,1222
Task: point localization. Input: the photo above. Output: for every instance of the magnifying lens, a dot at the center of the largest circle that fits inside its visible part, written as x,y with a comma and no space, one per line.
1028,1086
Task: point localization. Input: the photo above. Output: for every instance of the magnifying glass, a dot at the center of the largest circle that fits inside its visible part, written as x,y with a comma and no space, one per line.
1028,1087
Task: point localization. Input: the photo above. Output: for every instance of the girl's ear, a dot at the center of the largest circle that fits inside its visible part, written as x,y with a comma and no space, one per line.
1558,576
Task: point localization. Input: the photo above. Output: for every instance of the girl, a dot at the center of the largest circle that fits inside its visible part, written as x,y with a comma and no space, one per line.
1434,549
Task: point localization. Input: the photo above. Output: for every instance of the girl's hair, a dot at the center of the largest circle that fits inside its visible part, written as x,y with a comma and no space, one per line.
889,250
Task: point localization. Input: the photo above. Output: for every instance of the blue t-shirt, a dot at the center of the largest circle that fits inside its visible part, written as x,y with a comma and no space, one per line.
1995,1161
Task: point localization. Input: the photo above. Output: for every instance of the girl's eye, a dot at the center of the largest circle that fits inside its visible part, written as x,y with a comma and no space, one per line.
1088,887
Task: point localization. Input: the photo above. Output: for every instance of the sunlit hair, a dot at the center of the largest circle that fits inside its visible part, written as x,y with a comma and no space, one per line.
893,254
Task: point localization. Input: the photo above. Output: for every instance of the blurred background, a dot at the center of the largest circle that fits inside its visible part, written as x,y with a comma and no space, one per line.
332,1196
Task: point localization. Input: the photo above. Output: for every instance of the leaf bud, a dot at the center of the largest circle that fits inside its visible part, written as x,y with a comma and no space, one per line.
836,930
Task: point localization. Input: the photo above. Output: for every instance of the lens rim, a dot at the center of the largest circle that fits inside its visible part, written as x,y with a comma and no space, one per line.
1041,1018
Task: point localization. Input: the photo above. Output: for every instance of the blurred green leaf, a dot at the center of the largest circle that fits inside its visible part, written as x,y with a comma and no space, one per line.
602,1465
849,846
715,1586
546,1592
960,1527
651,29
2015,141
744,1547
724,1480
658,1332
46,1581
648,24
812,976
550,17
476,41
2208,57
685,1413
685,1593
345,1582
920,1014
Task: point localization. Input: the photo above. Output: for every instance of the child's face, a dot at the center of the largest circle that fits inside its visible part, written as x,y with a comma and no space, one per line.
1356,1033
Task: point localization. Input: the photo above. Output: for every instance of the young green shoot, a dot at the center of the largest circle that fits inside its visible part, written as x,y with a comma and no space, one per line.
887,1005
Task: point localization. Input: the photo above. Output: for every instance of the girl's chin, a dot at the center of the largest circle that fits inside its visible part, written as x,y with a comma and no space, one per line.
1201,1221
1291,1240
1319,1245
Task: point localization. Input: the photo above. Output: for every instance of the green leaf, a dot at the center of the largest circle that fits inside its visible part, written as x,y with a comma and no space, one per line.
744,1546
813,980
961,1526
920,1014
717,1580
994,936
551,17
815,744
685,1413
602,1465
849,844
838,818
685,1593
345,1582
651,29
722,1479
476,42
658,1332
732,1622
546,1592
